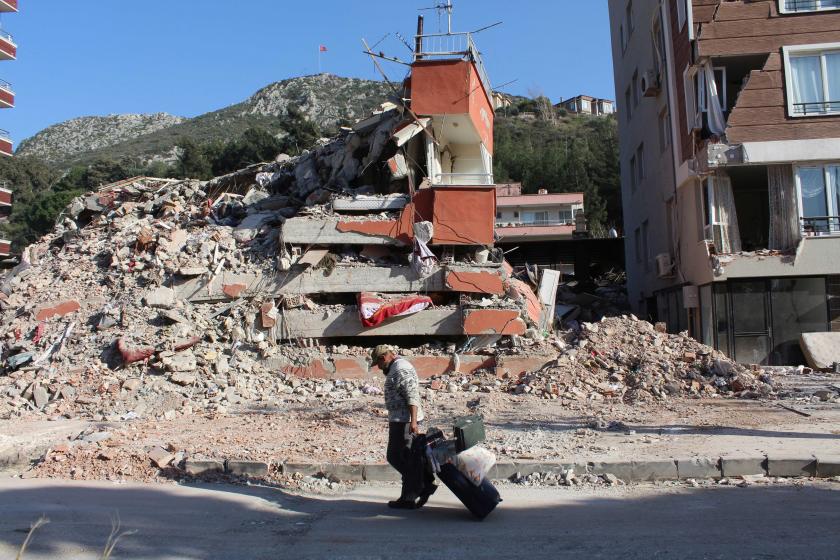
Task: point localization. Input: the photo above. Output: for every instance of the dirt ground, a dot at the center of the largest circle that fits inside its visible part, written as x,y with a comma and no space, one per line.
519,427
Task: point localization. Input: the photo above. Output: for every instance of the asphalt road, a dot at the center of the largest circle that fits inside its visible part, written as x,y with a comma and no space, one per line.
229,522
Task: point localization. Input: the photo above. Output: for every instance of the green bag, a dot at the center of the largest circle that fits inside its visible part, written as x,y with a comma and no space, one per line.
469,431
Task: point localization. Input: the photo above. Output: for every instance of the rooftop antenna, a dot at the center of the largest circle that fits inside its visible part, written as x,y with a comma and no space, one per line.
441,8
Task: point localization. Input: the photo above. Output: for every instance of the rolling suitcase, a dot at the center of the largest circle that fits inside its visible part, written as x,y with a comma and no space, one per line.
480,500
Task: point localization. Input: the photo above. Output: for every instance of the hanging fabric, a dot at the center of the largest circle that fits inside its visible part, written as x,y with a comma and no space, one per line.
717,122
725,214
784,208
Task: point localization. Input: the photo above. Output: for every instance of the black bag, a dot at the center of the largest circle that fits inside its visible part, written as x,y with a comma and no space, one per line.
480,500
469,431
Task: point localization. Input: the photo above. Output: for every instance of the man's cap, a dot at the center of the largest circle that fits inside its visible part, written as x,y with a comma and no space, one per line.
380,351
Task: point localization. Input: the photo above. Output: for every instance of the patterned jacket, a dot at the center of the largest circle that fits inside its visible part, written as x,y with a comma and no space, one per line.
402,391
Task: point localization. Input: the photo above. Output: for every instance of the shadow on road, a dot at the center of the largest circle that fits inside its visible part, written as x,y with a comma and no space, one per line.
223,521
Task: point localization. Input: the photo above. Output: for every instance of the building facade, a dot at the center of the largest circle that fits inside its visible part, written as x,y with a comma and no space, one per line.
730,165
8,51
588,105
542,216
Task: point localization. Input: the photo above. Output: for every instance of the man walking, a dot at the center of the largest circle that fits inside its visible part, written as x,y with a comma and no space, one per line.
402,399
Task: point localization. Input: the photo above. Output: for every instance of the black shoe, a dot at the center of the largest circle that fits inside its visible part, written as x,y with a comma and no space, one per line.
424,495
402,504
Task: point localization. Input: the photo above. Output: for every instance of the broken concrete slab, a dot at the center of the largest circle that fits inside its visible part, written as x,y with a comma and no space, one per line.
313,231
161,297
57,310
302,323
160,457
821,349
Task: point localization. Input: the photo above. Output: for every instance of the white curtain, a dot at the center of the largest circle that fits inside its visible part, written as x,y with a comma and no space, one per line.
807,82
832,67
726,214
812,189
784,208
717,123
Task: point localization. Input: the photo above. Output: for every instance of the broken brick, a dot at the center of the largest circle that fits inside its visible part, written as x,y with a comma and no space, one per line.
59,310
131,355
233,290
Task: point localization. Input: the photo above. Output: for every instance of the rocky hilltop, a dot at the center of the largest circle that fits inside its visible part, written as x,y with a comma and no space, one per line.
83,134
324,99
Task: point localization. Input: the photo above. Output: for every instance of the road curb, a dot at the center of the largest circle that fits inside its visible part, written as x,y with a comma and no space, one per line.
783,466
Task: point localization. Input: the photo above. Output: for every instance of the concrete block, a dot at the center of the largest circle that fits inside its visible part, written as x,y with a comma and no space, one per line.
305,469
246,468
821,349
743,466
654,470
828,466
381,472
556,467
199,467
352,471
621,469
524,468
502,471
791,466
698,467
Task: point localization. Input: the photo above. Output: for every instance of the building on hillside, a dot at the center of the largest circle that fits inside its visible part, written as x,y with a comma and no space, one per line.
535,217
588,105
730,165
8,51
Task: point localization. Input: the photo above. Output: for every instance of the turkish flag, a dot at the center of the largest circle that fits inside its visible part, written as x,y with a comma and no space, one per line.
322,48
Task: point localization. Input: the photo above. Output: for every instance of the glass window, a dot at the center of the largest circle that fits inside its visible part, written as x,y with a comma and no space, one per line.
799,305
815,81
748,306
809,5
722,318
819,196
752,349
664,132
681,12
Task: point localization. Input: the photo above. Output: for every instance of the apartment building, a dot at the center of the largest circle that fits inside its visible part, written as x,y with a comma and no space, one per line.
8,51
730,161
542,216
588,105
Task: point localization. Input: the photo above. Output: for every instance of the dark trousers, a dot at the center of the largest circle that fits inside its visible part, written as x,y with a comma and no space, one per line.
409,463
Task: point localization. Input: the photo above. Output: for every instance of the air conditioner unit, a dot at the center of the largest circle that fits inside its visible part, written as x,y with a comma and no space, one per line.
649,84
664,265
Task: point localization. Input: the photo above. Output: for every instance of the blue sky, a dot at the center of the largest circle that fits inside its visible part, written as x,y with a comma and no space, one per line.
187,57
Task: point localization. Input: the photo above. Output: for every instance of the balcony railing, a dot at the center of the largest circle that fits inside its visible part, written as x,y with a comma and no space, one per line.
821,225
464,179
453,45
502,223
810,5
7,36
816,108
6,86
4,135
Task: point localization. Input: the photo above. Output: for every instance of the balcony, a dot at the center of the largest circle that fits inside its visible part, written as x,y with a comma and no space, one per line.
7,95
443,46
463,179
8,5
820,225
6,147
8,47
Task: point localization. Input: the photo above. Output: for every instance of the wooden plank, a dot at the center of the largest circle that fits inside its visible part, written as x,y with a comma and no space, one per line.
323,323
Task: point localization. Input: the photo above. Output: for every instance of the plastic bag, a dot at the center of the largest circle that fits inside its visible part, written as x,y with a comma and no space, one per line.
475,463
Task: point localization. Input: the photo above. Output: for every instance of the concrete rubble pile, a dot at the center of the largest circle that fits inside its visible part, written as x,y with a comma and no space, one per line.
156,296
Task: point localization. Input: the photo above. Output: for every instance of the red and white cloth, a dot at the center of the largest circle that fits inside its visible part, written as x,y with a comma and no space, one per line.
373,309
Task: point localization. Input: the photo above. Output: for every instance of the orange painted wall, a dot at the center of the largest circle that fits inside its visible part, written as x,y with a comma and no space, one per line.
449,87
464,215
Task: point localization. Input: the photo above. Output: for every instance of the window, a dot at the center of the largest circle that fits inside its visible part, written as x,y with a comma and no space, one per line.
720,83
640,162
812,76
627,108
535,217
681,13
634,85
566,216
792,6
516,214
691,115
633,174
819,198
664,132
584,106
498,215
